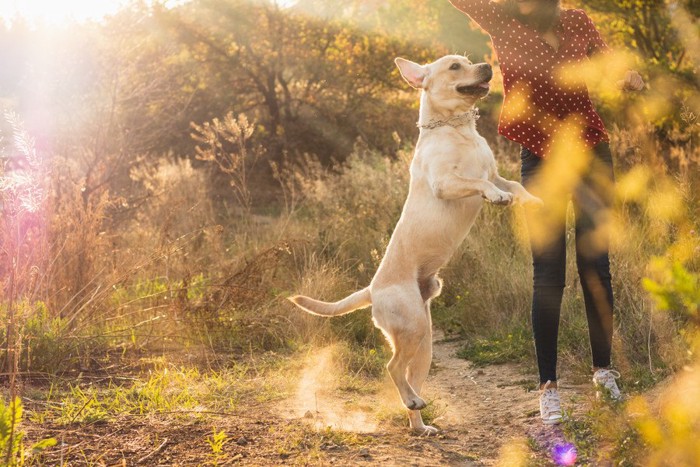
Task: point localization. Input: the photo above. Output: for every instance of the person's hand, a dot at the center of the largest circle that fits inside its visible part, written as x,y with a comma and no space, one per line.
633,82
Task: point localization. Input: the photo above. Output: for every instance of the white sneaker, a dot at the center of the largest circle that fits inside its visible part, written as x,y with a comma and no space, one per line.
550,405
605,381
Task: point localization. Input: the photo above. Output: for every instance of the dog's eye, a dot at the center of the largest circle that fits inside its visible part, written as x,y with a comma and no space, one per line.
455,66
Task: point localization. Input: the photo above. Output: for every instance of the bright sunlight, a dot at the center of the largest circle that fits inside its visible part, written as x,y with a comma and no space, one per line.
53,12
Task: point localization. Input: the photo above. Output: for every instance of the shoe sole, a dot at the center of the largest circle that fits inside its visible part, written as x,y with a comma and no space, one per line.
601,398
553,421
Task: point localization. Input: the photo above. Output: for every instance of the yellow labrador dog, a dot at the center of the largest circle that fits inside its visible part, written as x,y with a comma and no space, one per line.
453,171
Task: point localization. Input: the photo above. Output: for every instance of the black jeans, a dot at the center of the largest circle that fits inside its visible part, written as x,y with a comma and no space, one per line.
592,197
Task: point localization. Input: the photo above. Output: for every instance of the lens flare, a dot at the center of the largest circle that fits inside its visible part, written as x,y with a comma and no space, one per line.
564,454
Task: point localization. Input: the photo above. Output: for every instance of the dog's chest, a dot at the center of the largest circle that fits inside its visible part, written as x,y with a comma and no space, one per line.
453,152
473,158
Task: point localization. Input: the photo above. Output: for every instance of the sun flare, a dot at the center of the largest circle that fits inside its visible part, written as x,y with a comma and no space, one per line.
52,12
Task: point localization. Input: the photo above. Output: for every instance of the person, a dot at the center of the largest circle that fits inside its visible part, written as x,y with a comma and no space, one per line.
565,154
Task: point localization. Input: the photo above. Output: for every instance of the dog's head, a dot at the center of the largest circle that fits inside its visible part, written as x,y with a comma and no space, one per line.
452,82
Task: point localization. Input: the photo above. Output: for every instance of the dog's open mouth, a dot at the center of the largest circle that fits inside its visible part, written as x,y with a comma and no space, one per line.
479,88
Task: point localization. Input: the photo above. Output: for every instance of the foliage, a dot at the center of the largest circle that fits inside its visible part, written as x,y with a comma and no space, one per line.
44,336
12,437
168,389
668,427
677,290
645,26
10,434
359,205
313,86
360,361
216,443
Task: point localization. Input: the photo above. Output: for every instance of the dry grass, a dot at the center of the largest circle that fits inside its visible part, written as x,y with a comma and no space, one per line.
177,272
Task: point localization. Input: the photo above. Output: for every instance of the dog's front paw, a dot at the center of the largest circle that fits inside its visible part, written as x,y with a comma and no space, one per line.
536,202
498,197
530,201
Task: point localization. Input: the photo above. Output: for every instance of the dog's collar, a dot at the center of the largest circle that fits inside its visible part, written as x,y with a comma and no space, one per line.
456,121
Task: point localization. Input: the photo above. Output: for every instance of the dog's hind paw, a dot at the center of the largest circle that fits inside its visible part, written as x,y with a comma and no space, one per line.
416,404
425,430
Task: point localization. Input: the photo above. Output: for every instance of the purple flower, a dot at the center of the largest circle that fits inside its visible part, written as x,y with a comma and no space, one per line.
564,454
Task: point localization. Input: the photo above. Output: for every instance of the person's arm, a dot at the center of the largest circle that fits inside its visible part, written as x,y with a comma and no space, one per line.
487,14
632,81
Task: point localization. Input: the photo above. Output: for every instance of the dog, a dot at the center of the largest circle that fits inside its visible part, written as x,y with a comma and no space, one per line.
453,172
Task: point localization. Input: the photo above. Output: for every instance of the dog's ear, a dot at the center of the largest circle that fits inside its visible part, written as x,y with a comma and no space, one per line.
412,72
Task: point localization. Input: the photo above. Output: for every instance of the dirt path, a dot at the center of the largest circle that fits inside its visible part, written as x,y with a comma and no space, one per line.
485,414
490,411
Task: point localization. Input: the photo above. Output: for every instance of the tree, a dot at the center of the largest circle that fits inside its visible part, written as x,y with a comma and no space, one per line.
313,86
645,26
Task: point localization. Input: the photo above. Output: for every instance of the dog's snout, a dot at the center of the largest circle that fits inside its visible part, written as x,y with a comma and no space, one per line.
486,71
481,75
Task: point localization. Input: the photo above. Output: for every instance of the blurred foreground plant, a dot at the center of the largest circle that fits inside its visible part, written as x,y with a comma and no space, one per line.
671,427
660,428
11,439
676,290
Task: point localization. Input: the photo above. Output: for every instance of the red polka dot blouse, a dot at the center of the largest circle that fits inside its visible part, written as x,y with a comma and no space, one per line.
541,89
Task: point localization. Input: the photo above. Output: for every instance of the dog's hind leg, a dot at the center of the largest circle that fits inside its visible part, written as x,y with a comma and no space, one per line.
404,352
417,373
400,313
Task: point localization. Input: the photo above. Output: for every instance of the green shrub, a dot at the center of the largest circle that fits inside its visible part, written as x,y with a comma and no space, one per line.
12,437
10,433
45,345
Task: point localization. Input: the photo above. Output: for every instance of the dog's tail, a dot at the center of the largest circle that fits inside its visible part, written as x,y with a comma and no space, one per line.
360,299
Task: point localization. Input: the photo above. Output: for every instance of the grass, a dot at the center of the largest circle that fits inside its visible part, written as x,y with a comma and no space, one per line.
511,348
12,437
580,431
604,434
166,390
370,362
216,442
